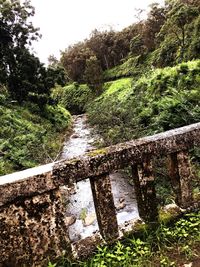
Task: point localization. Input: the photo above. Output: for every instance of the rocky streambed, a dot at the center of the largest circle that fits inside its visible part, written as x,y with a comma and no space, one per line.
80,211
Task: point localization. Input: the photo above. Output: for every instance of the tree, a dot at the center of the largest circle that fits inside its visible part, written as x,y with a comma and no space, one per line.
56,72
19,68
178,19
194,47
53,61
152,26
73,60
137,46
93,74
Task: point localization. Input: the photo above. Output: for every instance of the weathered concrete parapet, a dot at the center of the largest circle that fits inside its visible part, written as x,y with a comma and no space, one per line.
26,183
104,206
95,163
33,230
129,153
32,215
144,184
180,174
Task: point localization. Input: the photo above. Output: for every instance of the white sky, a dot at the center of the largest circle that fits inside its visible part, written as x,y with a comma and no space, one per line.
65,22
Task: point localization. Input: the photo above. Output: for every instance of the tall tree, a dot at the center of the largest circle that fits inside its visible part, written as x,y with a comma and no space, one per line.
178,19
17,64
74,58
152,26
94,74
56,72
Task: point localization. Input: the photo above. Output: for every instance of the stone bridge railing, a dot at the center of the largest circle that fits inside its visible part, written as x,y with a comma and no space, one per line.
32,214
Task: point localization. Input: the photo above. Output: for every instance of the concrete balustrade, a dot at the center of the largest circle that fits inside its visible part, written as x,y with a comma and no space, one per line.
32,213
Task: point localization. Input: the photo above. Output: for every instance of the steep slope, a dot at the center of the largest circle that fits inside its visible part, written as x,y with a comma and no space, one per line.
27,137
165,99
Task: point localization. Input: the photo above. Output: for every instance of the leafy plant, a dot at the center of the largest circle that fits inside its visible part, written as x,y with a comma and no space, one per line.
73,97
166,245
29,138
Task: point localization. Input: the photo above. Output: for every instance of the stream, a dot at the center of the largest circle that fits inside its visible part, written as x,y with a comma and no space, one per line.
80,211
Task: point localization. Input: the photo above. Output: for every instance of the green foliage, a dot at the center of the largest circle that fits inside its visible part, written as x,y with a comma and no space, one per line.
162,246
52,264
93,74
58,116
107,110
130,67
16,32
166,54
167,99
177,33
27,138
73,97
194,46
168,36
137,45
20,70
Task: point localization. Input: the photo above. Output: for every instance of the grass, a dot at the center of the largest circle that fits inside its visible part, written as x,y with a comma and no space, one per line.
131,67
29,137
74,97
168,98
117,88
166,245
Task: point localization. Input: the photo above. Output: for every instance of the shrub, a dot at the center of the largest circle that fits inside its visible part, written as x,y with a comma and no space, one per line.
167,99
58,116
28,138
73,97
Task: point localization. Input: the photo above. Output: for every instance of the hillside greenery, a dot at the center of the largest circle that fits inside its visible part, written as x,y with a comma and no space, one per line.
32,125
132,83
164,99
29,137
168,36
75,97
150,73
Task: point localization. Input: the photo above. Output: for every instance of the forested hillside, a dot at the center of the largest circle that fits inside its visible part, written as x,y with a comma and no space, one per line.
144,79
165,99
169,35
135,82
32,124
141,80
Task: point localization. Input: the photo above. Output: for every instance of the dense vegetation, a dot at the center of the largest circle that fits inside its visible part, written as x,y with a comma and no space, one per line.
168,36
73,96
121,101
32,124
168,245
166,99
148,101
29,137
139,81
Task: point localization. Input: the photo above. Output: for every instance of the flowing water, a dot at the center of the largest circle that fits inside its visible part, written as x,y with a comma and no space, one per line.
80,207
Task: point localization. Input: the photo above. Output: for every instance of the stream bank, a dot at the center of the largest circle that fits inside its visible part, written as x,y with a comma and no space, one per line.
80,211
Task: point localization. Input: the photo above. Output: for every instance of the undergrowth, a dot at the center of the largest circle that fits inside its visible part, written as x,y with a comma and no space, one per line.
74,97
166,245
29,137
166,99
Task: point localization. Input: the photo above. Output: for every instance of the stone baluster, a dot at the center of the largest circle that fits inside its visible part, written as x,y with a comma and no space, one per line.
145,190
104,206
181,177
33,230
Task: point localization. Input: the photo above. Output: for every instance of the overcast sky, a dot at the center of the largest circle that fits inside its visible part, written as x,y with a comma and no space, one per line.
65,22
